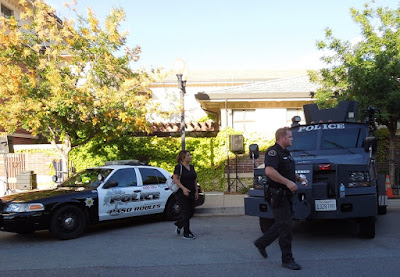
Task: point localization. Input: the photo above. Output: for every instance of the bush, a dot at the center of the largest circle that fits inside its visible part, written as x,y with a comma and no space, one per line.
208,154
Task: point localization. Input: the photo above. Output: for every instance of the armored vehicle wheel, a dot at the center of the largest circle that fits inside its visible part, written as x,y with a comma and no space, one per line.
382,209
68,222
172,210
367,227
266,223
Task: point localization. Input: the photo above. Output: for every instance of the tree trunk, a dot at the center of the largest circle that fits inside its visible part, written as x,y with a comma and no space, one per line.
65,165
392,152
64,152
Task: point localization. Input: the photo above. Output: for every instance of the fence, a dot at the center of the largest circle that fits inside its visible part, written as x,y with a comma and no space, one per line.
13,165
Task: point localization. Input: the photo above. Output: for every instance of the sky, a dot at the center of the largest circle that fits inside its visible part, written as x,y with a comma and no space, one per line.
230,34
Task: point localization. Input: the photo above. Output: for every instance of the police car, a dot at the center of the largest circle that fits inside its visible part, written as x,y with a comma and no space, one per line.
120,189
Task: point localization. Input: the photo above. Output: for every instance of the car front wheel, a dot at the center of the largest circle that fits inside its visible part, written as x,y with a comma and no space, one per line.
68,222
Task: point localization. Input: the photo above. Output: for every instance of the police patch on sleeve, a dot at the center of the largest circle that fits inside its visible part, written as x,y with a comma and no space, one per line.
272,153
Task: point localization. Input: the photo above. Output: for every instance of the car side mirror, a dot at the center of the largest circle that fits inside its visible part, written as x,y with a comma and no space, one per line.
370,142
54,178
111,184
254,152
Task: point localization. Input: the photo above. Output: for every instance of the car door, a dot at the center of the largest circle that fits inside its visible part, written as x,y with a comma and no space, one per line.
154,192
123,199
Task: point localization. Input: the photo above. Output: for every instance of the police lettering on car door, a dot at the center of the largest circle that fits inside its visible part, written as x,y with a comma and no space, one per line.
119,198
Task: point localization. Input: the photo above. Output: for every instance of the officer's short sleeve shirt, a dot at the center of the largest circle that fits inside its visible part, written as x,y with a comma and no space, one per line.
282,161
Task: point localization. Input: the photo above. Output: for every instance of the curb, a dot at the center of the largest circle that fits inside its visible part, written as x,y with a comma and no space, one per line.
220,204
219,211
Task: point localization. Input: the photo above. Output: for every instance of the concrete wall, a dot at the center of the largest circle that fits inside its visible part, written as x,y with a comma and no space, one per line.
35,157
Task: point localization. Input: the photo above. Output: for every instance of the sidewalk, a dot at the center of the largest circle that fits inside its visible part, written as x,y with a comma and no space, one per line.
218,203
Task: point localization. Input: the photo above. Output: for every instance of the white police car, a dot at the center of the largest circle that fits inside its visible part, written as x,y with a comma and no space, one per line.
120,189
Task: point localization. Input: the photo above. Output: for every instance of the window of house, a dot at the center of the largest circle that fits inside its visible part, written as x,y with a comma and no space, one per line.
6,11
244,120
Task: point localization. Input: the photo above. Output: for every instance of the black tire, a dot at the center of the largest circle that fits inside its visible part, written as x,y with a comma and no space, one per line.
172,209
367,227
68,222
266,223
382,209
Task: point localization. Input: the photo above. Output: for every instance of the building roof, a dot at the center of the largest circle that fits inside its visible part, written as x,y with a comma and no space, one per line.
233,76
293,87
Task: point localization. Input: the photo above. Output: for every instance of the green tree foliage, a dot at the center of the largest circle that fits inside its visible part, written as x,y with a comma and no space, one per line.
368,71
70,81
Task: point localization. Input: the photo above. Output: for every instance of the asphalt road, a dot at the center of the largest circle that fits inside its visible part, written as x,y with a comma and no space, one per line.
223,247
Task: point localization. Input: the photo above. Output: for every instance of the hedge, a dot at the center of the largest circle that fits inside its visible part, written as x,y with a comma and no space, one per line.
209,155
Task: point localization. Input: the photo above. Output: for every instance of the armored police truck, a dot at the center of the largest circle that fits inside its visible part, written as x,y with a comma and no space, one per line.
336,155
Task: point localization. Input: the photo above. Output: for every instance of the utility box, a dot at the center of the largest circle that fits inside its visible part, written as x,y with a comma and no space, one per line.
26,180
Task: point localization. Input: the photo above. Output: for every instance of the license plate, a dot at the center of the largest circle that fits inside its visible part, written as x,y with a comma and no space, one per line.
325,205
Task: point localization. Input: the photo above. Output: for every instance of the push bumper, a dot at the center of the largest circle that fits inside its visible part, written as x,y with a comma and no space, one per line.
349,207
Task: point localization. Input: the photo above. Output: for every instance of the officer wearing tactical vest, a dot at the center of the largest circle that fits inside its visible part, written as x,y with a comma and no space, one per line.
279,167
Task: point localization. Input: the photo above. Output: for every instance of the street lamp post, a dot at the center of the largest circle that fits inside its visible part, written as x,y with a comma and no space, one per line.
180,67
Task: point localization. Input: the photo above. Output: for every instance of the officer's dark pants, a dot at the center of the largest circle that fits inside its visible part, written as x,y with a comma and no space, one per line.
281,228
187,210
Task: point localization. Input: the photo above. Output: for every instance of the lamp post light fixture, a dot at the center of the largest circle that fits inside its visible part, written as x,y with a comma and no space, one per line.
180,69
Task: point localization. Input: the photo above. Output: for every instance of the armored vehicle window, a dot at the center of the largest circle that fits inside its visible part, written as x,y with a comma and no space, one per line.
304,141
341,139
125,177
152,176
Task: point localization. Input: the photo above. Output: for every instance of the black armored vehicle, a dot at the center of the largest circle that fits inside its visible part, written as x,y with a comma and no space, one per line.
336,155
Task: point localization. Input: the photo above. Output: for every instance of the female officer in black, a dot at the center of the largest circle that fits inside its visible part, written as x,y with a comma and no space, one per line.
186,178
279,167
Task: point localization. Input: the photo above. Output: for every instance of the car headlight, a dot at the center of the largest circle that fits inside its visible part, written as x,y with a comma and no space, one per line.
359,179
24,207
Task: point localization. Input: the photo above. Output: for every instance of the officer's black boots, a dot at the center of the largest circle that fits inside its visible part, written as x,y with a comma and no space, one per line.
262,251
291,265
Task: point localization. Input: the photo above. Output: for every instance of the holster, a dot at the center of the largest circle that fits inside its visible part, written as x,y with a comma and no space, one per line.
273,196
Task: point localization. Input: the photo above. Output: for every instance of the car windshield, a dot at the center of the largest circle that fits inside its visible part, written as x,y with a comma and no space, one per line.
89,178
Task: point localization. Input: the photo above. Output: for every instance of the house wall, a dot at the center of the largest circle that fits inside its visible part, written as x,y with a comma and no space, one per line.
269,115
267,120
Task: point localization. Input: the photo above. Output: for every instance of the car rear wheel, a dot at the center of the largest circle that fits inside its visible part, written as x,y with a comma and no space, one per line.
68,222
172,210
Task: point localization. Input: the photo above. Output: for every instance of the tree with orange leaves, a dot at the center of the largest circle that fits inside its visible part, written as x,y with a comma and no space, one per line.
70,82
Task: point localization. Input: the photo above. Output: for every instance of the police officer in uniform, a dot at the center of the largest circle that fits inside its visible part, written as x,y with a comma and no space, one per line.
279,167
